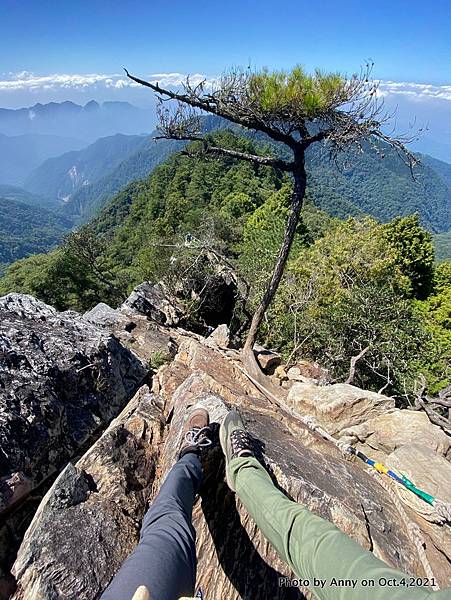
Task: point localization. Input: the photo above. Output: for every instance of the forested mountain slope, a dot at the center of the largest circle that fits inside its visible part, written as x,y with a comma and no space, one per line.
26,230
442,243
381,186
441,168
349,284
364,183
11,192
88,200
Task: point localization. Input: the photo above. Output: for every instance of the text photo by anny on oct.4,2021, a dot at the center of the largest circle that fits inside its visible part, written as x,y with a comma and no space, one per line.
334,582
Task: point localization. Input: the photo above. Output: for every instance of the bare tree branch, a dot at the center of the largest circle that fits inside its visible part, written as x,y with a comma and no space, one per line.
354,361
435,417
297,110
423,402
254,158
217,103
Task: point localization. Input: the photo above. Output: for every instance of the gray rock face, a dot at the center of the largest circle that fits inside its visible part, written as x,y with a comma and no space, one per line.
152,301
89,520
105,316
61,379
141,335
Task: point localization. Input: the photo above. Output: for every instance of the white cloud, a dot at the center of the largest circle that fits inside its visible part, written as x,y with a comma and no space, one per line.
25,80
174,79
415,91
29,81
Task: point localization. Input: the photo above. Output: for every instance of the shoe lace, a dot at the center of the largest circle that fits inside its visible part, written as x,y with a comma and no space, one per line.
198,436
240,441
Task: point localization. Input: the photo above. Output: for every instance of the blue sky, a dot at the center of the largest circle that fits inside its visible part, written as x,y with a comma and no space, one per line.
75,49
408,40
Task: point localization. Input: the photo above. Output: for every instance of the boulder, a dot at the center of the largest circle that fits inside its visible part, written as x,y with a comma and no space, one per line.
155,303
313,370
144,337
339,405
220,337
281,373
267,359
61,380
88,522
312,471
385,433
105,316
294,374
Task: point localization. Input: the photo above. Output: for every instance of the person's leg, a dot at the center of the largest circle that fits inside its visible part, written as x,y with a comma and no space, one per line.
310,545
164,562
165,559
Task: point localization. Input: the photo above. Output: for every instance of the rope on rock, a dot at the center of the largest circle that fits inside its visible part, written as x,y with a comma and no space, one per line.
441,508
412,528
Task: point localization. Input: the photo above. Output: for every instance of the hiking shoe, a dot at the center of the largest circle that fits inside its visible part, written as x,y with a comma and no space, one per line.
196,433
235,440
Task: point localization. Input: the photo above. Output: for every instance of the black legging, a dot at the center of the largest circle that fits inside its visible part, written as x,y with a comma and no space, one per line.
165,558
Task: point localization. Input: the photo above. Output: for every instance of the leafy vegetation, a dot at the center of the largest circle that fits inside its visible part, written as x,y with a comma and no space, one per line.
25,230
442,243
310,94
349,292
158,359
350,285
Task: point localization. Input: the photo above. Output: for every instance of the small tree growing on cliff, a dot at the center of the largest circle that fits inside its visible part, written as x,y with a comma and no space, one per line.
291,107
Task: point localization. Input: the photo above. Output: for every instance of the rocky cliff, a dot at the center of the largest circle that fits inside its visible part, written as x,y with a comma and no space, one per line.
88,521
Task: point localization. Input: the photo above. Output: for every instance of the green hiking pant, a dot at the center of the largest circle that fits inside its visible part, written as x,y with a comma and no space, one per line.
327,561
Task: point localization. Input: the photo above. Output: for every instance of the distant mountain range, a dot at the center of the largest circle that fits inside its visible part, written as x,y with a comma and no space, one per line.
86,123
80,183
59,178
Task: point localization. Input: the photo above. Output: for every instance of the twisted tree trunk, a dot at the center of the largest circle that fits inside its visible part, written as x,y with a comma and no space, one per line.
297,201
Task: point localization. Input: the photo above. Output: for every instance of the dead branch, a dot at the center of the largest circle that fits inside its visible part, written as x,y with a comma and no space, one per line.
354,361
435,418
426,403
